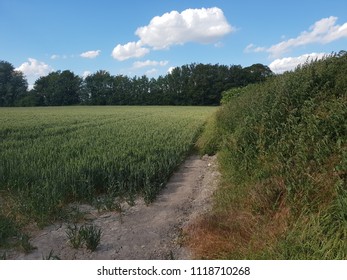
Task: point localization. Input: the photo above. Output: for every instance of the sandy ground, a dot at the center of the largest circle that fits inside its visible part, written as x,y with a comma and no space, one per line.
140,232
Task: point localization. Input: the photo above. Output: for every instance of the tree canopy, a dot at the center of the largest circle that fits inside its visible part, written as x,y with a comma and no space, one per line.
13,85
58,88
191,84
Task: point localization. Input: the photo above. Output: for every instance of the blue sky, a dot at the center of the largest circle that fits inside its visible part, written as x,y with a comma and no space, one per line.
136,37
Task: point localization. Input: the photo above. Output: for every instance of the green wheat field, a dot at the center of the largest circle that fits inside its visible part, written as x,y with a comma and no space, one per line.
53,156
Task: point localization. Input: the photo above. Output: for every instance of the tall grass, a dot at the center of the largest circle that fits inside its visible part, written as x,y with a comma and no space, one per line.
283,153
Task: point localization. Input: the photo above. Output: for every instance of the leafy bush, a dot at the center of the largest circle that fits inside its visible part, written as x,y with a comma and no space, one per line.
230,94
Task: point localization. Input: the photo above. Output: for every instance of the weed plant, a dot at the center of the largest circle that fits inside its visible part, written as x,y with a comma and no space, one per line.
91,235
88,235
74,236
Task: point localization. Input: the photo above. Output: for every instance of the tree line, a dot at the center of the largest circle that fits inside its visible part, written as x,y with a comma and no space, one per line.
191,84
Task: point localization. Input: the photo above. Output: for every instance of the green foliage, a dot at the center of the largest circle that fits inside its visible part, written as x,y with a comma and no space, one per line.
208,142
319,235
89,235
58,88
193,84
74,236
228,95
7,229
287,137
10,235
12,84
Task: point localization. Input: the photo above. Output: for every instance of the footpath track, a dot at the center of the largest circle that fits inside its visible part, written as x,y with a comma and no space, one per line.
140,231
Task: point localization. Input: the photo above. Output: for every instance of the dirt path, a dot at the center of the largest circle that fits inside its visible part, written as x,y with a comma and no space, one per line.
141,232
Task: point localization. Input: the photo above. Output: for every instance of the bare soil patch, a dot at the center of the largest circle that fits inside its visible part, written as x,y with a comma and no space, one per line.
140,231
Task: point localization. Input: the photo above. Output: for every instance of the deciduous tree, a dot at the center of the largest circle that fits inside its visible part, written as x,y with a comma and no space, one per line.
13,85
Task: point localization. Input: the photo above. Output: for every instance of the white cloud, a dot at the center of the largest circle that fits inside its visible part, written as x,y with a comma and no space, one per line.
151,72
90,54
86,74
33,69
174,28
192,25
146,63
290,63
61,56
254,48
129,50
169,71
323,31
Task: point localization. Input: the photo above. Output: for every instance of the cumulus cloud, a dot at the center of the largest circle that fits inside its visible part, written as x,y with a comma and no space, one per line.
174,28
290,63
192,25
90,54
129,50
141,64
33,69
323,31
